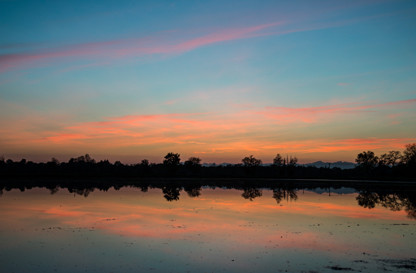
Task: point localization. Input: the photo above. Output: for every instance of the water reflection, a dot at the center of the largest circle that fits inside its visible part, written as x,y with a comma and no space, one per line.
396,201
193,191
171,193
194,226
389,196
251,193
284,194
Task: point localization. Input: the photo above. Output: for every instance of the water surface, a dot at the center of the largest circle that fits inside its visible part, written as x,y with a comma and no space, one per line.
206,230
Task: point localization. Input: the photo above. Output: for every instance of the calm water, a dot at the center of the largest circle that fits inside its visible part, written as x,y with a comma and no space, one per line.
206,230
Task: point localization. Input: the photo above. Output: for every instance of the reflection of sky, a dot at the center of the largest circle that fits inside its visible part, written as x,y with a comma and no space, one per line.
127,80
218,224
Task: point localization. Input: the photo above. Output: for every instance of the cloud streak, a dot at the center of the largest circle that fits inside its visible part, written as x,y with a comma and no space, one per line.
159,44
119,49
208,134
314,114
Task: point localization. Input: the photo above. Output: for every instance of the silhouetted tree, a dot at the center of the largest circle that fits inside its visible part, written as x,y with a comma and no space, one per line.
54,161
145,163
251,161
389,159
172,159
368,160
278,160
89,159
193,162
82,159
293,161
383,160
409,155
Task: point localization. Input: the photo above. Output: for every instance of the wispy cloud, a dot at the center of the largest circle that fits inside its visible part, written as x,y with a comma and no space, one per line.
160,43
229,134
313,114
117,49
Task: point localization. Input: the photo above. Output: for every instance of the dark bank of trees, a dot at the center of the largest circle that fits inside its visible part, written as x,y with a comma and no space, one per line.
393,165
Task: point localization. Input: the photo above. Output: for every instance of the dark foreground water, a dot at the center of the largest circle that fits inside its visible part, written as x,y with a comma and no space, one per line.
206,230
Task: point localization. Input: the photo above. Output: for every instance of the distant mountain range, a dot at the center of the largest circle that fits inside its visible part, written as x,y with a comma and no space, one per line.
339,164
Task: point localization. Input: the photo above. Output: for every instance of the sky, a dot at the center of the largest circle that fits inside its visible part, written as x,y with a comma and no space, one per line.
219,80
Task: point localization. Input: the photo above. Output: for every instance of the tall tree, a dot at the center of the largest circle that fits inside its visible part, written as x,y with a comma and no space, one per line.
367,159
278,160
193,162
172,159
409,155
251,161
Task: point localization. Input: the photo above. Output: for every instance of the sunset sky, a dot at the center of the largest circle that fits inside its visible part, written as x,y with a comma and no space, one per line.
220,80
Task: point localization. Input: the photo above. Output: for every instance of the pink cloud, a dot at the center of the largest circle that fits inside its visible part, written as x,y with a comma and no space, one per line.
132,47
314,114
216,134
339,145
206,134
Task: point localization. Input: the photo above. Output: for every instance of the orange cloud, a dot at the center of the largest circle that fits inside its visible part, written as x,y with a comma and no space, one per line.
314,114
229,134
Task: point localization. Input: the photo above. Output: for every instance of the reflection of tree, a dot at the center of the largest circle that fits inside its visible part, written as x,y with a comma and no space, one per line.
171,193
85,192
284,193
251,193
54,190
392,201
144,188
193,191
367,199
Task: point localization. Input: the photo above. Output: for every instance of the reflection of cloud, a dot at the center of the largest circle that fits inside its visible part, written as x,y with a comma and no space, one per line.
220,216
214,216
62,212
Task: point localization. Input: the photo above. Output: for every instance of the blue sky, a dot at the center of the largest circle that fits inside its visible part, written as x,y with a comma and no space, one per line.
322,80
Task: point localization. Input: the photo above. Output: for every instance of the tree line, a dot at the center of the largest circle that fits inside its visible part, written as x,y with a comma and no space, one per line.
394,165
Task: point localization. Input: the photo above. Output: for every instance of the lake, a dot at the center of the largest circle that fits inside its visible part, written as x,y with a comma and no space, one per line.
207,229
